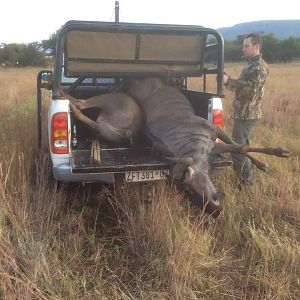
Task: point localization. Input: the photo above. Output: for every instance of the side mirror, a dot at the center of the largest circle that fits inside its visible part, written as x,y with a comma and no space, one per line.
46,79
45,76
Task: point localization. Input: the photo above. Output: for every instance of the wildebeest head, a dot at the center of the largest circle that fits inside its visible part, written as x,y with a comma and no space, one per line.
198,185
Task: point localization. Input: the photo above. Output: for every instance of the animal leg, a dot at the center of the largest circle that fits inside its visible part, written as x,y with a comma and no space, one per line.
83,118
240,149
102,128
223,136
280,152
235,148
243,149
90,103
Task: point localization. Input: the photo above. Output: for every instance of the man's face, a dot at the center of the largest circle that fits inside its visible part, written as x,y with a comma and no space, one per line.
249,49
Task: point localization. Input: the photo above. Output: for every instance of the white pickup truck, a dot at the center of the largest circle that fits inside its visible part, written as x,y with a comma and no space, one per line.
93,58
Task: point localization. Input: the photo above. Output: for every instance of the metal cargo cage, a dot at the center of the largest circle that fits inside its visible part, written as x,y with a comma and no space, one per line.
87,48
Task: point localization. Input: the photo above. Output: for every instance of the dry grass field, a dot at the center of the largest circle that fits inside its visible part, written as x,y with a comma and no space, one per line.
74,242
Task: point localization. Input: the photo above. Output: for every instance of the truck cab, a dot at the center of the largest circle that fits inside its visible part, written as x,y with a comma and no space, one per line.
93,58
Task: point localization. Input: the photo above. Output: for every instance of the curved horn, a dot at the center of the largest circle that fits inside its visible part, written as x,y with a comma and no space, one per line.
181,165
189,174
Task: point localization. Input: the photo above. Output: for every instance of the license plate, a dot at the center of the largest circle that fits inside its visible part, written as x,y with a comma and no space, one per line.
146,175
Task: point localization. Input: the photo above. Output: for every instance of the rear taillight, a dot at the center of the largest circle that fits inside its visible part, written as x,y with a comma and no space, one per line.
59,133
217,117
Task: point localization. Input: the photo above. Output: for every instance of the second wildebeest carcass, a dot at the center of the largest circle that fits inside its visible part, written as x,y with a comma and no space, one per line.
185,138
120,117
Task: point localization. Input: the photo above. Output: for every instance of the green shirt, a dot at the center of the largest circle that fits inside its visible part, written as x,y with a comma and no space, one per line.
249,89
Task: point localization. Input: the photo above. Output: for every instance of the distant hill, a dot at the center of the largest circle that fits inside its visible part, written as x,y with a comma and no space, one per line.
282,29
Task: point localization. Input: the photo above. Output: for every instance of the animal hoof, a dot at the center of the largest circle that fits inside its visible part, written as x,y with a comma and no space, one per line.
282,152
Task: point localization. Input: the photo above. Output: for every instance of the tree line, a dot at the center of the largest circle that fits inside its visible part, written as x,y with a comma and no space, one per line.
32,54
22,55
40,53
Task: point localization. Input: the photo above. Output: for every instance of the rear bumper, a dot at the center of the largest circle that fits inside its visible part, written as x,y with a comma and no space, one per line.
64,173
114,165
112,168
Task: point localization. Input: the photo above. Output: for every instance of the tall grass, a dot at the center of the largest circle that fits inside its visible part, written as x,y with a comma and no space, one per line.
94,242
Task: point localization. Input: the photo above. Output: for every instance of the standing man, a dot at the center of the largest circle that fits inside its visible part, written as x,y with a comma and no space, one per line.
247,104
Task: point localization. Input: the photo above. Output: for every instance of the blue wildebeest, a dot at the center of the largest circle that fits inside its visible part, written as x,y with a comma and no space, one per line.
185,138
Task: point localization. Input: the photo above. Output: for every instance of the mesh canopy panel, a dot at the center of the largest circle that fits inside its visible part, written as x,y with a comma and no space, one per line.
109,52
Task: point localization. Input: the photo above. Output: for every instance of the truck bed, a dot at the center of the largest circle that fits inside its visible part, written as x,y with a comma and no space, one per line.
116,160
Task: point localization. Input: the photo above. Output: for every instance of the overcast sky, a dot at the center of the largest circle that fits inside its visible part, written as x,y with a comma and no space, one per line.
25,21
